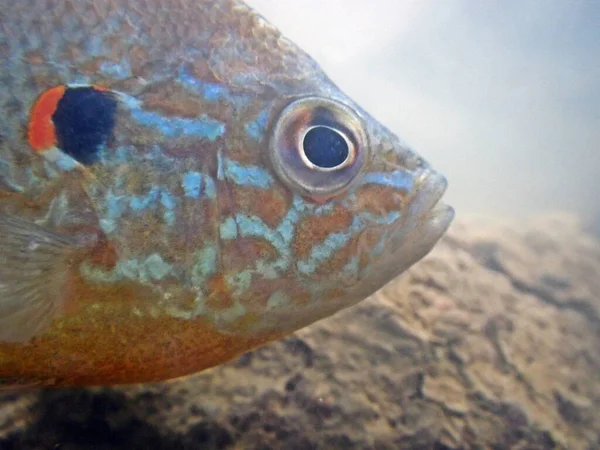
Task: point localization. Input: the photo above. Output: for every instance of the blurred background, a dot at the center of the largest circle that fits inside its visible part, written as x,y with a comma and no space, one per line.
502,96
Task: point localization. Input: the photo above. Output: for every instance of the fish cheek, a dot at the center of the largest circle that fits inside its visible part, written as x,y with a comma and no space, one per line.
315,229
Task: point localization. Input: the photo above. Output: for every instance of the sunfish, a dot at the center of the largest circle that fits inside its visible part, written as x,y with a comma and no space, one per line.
179,184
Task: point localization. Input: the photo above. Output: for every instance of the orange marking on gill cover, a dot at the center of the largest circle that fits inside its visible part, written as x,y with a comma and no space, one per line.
314,229
41,133
379,199
271,206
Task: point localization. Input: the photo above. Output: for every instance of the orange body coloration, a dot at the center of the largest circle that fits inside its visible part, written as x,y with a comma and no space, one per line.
177,218
117,351
41,133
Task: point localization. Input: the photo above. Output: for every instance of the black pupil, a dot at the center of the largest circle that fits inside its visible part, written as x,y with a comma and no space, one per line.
325,148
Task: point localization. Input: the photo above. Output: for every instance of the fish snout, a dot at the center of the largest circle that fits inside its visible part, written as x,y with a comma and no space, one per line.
427,204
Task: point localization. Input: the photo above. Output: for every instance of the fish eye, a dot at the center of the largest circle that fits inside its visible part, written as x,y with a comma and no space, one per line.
318,146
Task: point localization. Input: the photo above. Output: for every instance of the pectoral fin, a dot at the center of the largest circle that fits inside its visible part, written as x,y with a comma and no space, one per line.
33,271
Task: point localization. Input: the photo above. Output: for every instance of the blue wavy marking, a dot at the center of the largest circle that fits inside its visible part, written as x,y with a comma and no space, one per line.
325,250
351,269
141,202
220,166
281,237
192,184
205,265
228,229
169,203
120,156
157,197
209,187
247,175
397,179
158,157
203,127
94,45
300,208
115,207
288,225
256,128
153,268
210,92
277,299
156,268
252,226
243,175
66,163
239,282
120,70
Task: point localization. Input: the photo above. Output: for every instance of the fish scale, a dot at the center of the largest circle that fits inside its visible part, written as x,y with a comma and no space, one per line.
190,225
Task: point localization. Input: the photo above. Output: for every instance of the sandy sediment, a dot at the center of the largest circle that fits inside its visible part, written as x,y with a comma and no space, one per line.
492,341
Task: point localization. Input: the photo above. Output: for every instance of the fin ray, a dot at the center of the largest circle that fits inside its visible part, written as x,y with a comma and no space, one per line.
33,272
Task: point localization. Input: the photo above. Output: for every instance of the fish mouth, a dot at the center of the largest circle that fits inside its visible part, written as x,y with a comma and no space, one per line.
425,221
427,202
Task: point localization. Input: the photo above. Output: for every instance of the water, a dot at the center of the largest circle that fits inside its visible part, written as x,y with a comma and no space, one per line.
503,96
493,340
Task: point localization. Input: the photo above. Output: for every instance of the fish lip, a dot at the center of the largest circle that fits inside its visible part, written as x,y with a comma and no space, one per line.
426,217
443,214
430,188
415,234
427,204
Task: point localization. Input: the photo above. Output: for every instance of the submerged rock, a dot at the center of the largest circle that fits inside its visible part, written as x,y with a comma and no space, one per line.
492,341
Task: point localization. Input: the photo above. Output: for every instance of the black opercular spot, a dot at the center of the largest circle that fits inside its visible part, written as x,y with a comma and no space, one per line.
84,120
325,147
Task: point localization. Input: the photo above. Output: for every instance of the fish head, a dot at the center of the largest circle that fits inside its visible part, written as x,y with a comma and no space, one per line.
362,206
338,203
248,178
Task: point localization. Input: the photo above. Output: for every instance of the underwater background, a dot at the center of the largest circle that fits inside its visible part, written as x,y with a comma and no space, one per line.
493,340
